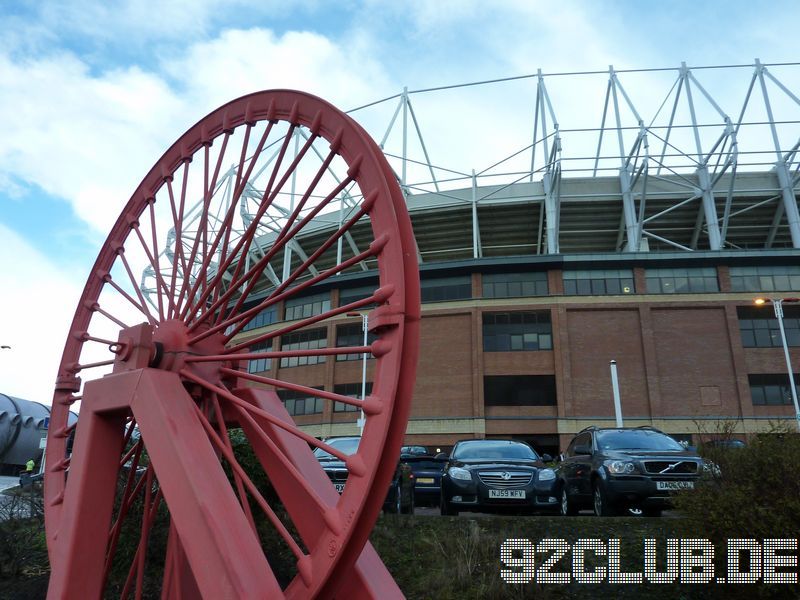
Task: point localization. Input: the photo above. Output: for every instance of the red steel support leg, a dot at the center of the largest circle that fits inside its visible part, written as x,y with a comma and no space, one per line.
224,553
84,533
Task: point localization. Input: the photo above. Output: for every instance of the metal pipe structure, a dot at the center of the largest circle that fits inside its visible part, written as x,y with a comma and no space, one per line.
777,304
615,389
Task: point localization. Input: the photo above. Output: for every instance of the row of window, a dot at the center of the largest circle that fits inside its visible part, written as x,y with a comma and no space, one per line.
517,331
587,282
524,390
300,403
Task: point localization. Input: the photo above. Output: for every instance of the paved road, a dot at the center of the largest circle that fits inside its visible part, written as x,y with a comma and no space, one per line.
8,482
428,511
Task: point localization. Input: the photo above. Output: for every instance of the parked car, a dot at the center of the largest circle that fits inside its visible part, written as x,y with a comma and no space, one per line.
724,444
400,497
625,471
496,476
427,471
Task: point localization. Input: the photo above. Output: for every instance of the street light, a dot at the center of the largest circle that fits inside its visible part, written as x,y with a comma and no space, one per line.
777,304
365,327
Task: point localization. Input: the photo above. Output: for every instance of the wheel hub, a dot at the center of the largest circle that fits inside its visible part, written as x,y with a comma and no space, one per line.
166,346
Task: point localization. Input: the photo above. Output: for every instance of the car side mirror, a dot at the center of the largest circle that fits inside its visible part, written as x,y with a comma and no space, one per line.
547,458
583,449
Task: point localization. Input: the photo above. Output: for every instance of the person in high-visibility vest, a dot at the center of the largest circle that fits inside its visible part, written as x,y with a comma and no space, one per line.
29,466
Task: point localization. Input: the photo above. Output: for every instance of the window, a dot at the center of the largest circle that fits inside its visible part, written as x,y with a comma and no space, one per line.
765,279
307,306
352,335
349,389
312,339
348,296
446,288
513,285
517,331
519,390
263,318
759,328
772,389
682,280
257,365
598,282
300,403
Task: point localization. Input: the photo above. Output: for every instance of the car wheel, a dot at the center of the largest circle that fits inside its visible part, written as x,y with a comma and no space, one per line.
567,507
446,509
394,505
602,507
410,508
635,511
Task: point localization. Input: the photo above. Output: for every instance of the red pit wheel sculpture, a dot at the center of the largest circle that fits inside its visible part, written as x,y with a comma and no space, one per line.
264,198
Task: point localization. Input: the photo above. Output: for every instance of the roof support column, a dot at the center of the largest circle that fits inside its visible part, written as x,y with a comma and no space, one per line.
789,202
551,207
785,180
709,208
477,252
629,212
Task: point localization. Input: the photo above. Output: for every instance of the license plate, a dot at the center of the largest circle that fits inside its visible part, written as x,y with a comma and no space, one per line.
507,494
339,487
428,480
674,485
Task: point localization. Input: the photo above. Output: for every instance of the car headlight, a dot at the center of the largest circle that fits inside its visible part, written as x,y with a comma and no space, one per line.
620,467
711,468
459,473
547,475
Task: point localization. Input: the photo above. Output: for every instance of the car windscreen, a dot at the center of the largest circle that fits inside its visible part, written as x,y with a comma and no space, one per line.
344,445
636,439
491,450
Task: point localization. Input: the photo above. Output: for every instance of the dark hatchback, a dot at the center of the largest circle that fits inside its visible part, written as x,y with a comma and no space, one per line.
497,476
625,470
427,470
399,499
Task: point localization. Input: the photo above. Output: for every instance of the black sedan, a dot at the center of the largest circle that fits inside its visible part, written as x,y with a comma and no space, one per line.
497,476
400,497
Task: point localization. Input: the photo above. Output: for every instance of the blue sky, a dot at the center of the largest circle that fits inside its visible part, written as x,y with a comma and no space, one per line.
92,92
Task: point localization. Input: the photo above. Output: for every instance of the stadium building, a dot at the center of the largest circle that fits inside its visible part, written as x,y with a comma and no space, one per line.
641,233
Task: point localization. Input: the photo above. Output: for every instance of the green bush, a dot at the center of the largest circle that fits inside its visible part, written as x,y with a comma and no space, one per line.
755,494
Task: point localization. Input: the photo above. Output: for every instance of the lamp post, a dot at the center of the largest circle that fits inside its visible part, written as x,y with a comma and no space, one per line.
777,304
365,328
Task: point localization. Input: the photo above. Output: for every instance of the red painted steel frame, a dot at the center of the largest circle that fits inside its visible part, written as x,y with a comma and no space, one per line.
178,378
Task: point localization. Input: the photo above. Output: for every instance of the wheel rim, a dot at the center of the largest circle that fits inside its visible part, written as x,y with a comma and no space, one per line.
598,502
636,511
564,502
309,197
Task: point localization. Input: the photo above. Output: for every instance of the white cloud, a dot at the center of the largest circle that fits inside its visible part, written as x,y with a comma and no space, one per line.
36,308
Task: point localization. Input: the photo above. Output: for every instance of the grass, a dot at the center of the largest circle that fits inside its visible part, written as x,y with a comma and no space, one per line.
444,558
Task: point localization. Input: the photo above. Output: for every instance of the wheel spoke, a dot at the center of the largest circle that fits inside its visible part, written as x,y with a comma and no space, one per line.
265,507
135,285
379,296
142,308
296,387
223,393
223,432
279,293
208,191
252,276
246,240
216,281
153,258
281,354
